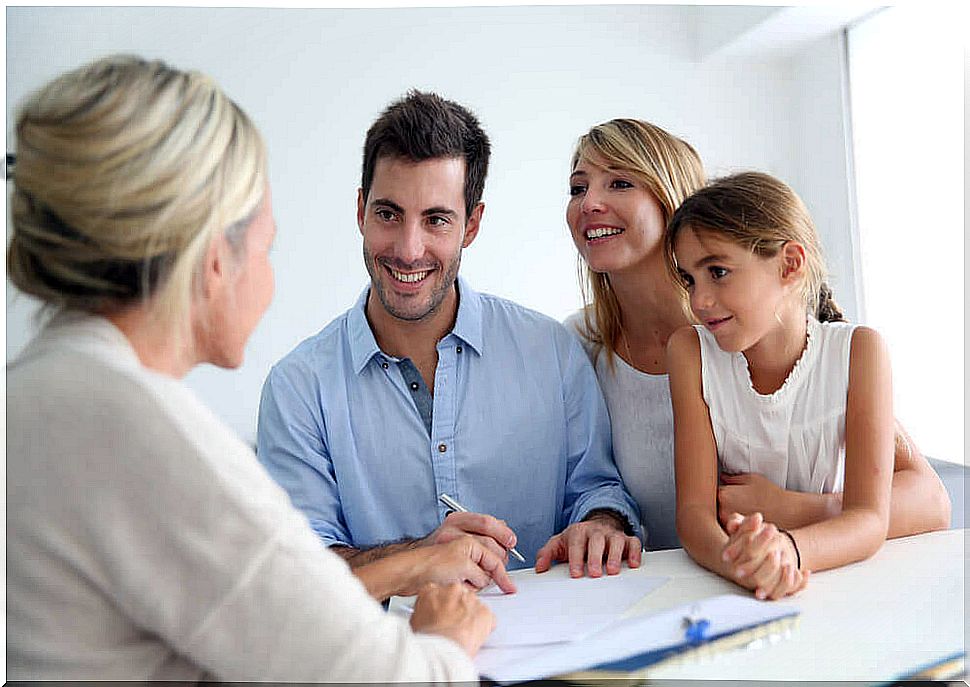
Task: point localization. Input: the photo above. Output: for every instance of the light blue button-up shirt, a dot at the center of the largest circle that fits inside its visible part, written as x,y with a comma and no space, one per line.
518,429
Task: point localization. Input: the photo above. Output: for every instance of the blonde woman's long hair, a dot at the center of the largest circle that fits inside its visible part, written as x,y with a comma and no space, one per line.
669,168
761,214
126,169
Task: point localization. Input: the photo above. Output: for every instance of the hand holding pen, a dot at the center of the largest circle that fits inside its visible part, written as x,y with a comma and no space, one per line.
493,533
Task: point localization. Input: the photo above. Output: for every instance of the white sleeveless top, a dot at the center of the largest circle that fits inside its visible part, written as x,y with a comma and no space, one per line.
795,436
642,424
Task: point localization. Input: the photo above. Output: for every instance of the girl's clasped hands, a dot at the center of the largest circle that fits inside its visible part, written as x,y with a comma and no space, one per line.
762,558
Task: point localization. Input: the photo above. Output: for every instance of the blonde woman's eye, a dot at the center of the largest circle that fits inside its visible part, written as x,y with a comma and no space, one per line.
621,183
576,189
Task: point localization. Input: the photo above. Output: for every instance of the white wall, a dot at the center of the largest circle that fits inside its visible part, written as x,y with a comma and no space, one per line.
821,143
538,77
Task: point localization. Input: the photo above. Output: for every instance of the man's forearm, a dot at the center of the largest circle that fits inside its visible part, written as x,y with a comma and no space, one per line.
359,557
387,576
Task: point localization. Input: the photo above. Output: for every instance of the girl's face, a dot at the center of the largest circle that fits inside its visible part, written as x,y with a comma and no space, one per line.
737,295
614,220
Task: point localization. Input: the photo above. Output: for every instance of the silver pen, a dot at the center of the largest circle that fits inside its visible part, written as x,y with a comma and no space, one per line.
458,508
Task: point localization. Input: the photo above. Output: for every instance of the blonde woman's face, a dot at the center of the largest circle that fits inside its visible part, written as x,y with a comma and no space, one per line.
251,289
615,222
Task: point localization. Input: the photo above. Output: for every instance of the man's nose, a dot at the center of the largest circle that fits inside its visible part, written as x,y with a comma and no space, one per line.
410,243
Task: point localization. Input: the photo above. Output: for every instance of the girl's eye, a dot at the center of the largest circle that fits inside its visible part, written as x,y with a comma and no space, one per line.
576,189
687,280
621,183
718,272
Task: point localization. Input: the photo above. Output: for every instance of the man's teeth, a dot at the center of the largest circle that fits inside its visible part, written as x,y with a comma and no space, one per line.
409,277
602,231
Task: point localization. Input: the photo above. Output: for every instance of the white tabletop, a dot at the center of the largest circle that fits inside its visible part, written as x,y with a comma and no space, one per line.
871,621
875,620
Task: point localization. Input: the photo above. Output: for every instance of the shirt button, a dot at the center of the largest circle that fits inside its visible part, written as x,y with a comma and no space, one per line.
442,448
414,386
384,364
458,350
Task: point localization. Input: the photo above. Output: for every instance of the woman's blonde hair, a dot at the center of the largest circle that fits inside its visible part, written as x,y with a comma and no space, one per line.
669,168
126,169
761,214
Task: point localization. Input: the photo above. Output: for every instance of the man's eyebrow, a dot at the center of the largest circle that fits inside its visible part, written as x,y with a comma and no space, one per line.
439,211
388,203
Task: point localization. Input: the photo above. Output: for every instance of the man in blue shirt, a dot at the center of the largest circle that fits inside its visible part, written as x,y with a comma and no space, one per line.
426,387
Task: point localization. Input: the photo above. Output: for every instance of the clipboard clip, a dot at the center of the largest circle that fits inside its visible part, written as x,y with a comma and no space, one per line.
695,626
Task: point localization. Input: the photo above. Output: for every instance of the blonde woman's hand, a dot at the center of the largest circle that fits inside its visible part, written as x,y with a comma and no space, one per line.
455,612
762,558
747,493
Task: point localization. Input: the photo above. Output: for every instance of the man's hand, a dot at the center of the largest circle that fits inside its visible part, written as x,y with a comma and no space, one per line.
453,611
747,493
461,560
492,533
761,558
590,542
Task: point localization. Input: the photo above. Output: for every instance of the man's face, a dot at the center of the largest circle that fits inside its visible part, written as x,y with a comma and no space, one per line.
414,228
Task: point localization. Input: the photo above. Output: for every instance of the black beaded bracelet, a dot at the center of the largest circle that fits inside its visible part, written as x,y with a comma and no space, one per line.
798,555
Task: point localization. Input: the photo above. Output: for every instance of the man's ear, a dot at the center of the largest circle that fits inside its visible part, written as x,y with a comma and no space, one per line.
473,224
360,210
792,261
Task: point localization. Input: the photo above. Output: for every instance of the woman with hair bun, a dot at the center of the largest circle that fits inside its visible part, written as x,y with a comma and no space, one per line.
627,179
144,540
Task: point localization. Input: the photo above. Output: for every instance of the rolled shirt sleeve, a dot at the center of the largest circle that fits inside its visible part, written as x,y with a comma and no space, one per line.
292,446
594,481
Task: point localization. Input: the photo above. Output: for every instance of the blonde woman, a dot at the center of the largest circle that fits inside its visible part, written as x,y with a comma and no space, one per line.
144,541
628,177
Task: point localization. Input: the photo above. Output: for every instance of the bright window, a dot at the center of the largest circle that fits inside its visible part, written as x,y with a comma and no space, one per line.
906,93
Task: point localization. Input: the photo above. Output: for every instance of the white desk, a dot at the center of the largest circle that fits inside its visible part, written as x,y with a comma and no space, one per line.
872,621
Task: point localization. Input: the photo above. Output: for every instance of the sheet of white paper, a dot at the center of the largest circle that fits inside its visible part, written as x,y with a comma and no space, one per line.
626,638
548,610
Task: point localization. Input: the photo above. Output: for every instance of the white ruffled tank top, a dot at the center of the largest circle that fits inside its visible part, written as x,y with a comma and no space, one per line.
795,436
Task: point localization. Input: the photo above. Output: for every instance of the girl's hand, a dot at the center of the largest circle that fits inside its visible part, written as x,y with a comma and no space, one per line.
761,558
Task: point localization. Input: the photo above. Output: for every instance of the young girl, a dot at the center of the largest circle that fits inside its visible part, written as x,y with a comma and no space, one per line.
772,382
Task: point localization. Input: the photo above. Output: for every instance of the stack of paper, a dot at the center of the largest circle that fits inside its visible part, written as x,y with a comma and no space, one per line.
551,610
623,644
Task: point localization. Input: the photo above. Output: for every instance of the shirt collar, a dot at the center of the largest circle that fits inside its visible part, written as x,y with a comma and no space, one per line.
363,345
468,325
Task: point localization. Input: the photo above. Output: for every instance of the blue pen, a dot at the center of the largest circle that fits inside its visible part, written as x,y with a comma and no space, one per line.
457,507
695,626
